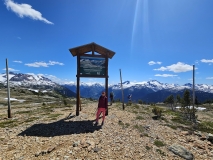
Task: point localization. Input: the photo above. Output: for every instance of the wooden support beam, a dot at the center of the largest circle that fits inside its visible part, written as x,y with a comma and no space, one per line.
8,91
106,80
78,88
93,50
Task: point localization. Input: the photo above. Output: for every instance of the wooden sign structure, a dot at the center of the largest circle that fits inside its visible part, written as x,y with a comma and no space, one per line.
92,62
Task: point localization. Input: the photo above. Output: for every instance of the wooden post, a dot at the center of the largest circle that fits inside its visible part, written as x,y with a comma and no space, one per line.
193,90
122,90
78,81
106,80
80,100
8,91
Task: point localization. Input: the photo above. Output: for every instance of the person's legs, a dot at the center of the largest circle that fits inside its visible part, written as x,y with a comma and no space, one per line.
98,114
103,112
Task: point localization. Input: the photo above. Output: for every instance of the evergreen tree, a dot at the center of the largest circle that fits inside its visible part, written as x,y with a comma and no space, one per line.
186,98
170,100
178,98
189,112
196,101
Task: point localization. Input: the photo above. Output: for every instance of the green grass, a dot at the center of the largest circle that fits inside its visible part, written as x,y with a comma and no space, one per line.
159,143
206,126
53,116
172,126
139,118
127,124
145,134
172,113
136,106
31,119
23,112
146,109
161,152
8,123
164,119
134,111
66,109
148,148
139,128
181,121
143,112
124,125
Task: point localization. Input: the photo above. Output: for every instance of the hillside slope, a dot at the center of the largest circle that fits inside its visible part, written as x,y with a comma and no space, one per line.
45,131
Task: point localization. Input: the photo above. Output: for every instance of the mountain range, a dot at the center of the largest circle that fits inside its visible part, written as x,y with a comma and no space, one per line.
148,91
33,81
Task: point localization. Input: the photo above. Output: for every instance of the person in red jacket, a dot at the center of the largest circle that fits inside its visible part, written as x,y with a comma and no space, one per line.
102,107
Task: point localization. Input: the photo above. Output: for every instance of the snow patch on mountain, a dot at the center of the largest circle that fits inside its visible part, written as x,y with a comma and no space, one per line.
19,79
154,85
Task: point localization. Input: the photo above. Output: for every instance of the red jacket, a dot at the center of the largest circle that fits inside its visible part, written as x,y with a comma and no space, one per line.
103,102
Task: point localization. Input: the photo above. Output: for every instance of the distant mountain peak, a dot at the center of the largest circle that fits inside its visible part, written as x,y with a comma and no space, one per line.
21,79
126,82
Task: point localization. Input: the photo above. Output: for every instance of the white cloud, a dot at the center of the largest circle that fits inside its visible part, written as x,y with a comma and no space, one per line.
54,63
207,60
19,37
25,10
152,63
11,69
43,64
209,78
17,61
165,75
37,64
176,68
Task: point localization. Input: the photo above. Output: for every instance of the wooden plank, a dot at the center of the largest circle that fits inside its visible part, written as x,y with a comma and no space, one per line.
92,76
93,51
106,81
90,55
78,88
122,90
8,91
92,47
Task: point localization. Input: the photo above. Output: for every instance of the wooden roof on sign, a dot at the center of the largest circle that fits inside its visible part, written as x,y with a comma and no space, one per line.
92,47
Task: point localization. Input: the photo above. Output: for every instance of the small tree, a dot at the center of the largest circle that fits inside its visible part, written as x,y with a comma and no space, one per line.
170,100
186,98
65,102
140,101
157,111
186,102
178,99
196,101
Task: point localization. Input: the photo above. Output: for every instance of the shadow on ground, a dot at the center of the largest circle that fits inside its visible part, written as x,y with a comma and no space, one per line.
61,127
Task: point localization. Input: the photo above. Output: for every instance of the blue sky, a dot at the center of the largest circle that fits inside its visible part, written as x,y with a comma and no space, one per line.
153,40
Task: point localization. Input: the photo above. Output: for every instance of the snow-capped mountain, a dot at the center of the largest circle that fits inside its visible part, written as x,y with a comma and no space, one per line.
34,81
150,91
20,79
155,86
